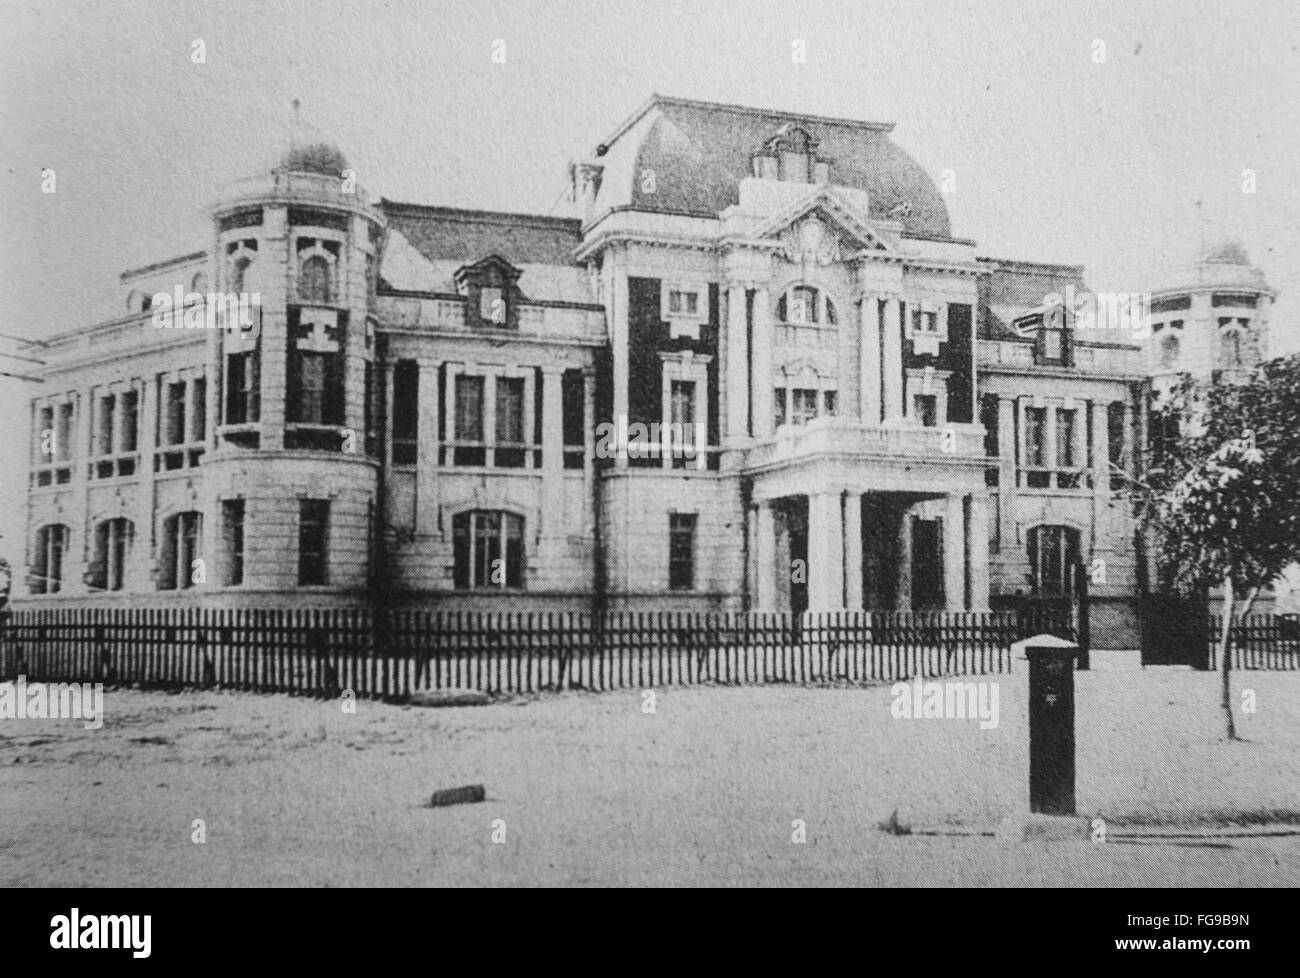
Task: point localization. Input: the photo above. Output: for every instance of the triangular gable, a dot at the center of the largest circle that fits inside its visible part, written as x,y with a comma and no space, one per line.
830,209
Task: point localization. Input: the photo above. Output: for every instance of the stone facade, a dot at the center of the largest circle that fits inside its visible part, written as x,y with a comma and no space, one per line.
753,370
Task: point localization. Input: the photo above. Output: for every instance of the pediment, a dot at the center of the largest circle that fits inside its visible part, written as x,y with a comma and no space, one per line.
822,228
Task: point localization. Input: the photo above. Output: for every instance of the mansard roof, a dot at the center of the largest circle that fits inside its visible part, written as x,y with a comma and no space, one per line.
466,236
699,152
1011,289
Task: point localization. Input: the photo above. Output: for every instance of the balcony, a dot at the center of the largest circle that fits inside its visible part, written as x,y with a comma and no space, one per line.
1122,361
433,314
832,436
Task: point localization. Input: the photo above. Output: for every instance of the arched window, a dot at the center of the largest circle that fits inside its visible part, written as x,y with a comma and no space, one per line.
112,545
181,544
47,559
1053,553
199,283
1169,347
239,273
1231,347
315,279
805,305
489,549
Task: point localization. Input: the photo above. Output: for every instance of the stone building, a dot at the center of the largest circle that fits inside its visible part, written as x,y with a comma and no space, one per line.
753,369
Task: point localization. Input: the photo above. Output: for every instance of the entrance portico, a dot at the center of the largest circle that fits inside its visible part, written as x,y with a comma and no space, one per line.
836,529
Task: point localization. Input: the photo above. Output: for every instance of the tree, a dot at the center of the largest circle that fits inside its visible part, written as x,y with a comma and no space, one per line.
1223,488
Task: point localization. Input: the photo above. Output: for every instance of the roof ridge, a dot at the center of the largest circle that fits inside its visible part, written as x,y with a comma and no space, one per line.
752,110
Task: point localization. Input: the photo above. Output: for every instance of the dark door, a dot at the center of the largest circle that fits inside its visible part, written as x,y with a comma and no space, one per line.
927,565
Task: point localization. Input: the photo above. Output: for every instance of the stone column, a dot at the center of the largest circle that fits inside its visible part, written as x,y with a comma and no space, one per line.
737,370
765,557
191,433
954,554
762,379
1126,462
1022,440
268,278
1049,440
825,552
893,361
618,327
588,446
869,361
978,530
140,563
1006,468
426,451
552,454
903,599
1100,464
853,552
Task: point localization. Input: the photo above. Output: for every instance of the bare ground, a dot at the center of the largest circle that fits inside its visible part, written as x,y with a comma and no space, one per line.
591,790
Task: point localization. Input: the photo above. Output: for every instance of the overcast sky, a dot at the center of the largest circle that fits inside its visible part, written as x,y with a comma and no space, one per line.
1057,156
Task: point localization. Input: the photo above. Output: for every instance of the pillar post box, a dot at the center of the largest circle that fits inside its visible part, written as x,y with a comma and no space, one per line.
1051,723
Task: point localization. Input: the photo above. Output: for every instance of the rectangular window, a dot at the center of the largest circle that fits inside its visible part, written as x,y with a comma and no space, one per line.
63,434
242,388
1066,421
492,305
406,412
924,321
313,541
681,551
989,419
180,548
681,423
232,541
1115,444
104,425
311,388
130,420
509,451
488,549
199,410
573,408
830,400
682,302
1036,437
804,406
112,543
469,419
174,423
778,407
926,408
47,561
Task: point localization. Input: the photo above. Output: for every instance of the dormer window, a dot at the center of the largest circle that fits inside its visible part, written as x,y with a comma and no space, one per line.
492,305
791,156
490,293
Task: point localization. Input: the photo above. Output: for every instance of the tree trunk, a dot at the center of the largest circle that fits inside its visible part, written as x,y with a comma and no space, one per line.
1225,657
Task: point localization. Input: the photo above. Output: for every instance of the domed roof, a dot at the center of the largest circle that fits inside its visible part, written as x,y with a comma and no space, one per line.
1224,249
308,151
689,157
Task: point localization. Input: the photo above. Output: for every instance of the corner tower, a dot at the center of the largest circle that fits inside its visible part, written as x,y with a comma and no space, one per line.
293,472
